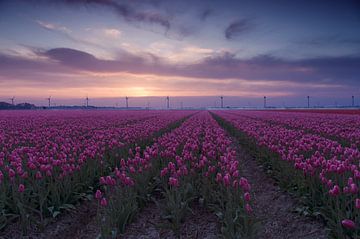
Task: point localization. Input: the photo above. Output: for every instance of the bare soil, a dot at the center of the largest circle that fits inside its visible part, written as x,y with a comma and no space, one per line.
199,224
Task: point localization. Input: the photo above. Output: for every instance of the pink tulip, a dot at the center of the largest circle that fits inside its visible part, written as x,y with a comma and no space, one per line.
353,188
335,191
357,203
132,169
102,181
226,180
103,202
38,175
98,194
235,184
12,173
21,188
173,182
247,197
218,177
349,224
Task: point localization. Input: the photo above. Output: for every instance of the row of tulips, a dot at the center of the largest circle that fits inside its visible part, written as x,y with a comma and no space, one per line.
193,163
323,170
50,160
344,128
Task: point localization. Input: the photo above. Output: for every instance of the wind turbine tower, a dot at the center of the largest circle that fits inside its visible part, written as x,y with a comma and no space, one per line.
222,101
49,101
127,102
308,101
168,101
87,101
12,100
264,101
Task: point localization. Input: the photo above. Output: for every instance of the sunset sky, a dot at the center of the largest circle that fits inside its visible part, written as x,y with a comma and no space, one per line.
196,50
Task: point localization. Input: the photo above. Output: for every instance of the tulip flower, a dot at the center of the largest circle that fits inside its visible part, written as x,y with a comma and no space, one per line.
103,202
98,194
349,224
247,197
173,182
21,188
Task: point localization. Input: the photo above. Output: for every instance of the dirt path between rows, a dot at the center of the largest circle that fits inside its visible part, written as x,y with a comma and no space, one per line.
201,224
273,207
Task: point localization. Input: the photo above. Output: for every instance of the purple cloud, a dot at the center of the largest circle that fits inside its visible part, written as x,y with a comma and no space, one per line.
237,28
204,14
323,70
126,11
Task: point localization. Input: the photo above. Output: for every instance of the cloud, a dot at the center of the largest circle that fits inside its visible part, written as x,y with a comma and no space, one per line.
237,28
127,12
53,27
112,33
206,13
331,40
327,71
149,15
64,31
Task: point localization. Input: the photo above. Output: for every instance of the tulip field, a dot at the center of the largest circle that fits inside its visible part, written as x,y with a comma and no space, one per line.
315,154
53,161
49,160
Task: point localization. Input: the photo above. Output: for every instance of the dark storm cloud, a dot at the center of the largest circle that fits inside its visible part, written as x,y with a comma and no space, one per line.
237,28
326,70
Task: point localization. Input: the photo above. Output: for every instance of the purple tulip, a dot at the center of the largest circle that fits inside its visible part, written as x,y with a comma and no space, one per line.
21,188
349,224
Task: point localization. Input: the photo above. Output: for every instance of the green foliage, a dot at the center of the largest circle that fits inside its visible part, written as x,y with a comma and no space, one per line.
176,204
121,209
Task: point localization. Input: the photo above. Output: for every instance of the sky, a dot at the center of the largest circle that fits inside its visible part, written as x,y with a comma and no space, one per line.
193,51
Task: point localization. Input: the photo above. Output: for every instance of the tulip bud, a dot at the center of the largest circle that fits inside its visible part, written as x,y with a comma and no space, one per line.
247,197
335,191
226,180
357,203
349,224
11,173
98,194
173,182
21,188
103,202
353,188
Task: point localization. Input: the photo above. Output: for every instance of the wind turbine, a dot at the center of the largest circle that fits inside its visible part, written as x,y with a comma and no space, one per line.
222,101
12,100
168,101
87,101
49,100
127,102
264,101
308,101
